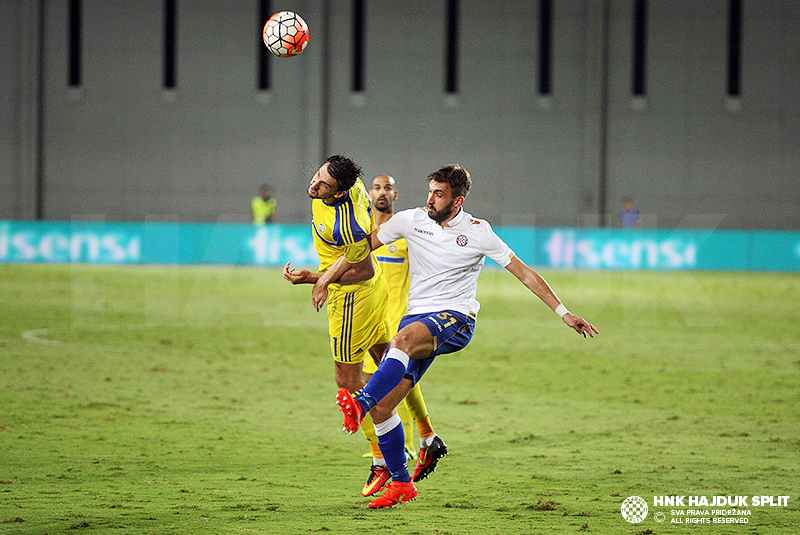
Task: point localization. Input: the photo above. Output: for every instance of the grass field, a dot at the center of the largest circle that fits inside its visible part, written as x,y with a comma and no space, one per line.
150,400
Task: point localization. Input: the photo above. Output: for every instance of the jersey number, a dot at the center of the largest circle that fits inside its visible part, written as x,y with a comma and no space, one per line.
444,315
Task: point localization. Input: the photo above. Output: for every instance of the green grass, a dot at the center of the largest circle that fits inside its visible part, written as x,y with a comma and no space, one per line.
200,400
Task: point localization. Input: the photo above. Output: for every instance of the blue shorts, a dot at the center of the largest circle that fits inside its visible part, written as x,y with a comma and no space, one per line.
451,331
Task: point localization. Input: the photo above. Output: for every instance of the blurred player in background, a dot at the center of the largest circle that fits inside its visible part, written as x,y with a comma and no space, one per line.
394,262
263,206
357,313
629,217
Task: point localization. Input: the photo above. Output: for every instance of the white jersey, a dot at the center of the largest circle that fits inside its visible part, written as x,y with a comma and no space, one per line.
444,262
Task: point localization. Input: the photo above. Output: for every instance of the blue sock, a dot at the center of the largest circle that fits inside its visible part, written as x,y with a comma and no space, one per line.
388,375
391,440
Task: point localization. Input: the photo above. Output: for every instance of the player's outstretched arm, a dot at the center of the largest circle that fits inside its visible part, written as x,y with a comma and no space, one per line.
299,276
536,284
343,272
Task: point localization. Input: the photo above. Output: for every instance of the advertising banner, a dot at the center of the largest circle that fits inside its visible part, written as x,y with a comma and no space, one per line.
107,242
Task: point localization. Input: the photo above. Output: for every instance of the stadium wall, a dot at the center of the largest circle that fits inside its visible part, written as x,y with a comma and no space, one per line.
97,130
154,242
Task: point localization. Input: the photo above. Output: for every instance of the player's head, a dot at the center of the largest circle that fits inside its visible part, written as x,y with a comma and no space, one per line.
266,192
447,189
383,193
333,180
343,170
454,176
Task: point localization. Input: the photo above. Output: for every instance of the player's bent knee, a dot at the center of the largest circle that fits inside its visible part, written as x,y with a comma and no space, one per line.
381,413
414,340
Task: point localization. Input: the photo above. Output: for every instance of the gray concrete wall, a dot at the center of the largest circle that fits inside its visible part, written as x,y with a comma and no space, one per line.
11,38
121,147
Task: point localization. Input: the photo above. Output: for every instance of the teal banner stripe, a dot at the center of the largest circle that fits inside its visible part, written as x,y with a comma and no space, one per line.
109,242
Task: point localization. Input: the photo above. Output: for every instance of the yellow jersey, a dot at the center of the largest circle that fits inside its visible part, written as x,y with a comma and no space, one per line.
262,210
342,229
393,259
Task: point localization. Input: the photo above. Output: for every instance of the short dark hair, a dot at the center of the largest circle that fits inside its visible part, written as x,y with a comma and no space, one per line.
343,170
454,176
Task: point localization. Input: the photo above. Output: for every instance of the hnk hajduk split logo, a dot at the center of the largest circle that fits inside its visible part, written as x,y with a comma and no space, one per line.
700,509
634,509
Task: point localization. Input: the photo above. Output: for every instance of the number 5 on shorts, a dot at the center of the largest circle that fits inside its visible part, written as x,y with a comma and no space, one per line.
443,316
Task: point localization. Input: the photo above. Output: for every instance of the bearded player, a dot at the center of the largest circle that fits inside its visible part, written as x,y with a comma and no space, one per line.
393,259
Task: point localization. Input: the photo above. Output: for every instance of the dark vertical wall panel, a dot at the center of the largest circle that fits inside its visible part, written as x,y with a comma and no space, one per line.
734,47
75,41
358,47
545,46
639,68
170,39
451,47
262,52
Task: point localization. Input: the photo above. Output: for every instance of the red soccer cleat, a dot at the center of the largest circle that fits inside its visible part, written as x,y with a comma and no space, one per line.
397,492
353,413
379,477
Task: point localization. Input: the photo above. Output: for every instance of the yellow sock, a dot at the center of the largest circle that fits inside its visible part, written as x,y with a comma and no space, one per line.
407,420
424,428
416,404
376,451
368,429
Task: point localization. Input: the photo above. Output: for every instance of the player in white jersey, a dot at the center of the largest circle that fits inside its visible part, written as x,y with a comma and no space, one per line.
447,248
445,261
393,259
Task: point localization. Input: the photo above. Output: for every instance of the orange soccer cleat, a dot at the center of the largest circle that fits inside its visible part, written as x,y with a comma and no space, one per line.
398,491
379,477
353,413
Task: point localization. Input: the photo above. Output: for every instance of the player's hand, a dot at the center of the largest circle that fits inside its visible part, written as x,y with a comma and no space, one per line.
296,276
580,325
319,294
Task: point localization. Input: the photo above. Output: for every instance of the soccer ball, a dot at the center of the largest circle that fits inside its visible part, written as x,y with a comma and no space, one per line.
286,34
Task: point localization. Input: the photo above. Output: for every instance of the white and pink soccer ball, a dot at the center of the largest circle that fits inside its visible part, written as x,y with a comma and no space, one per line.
286,34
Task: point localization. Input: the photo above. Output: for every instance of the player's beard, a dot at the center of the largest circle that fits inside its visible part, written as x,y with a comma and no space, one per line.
381,204
442,215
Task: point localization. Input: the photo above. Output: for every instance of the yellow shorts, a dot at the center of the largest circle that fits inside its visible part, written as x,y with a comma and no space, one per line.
357,321
369,365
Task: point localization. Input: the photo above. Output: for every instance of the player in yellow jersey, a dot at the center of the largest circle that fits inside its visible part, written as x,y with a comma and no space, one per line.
357,313
393,259
263,206
341,222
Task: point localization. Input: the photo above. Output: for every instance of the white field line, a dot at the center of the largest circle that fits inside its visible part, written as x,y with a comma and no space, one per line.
42,336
